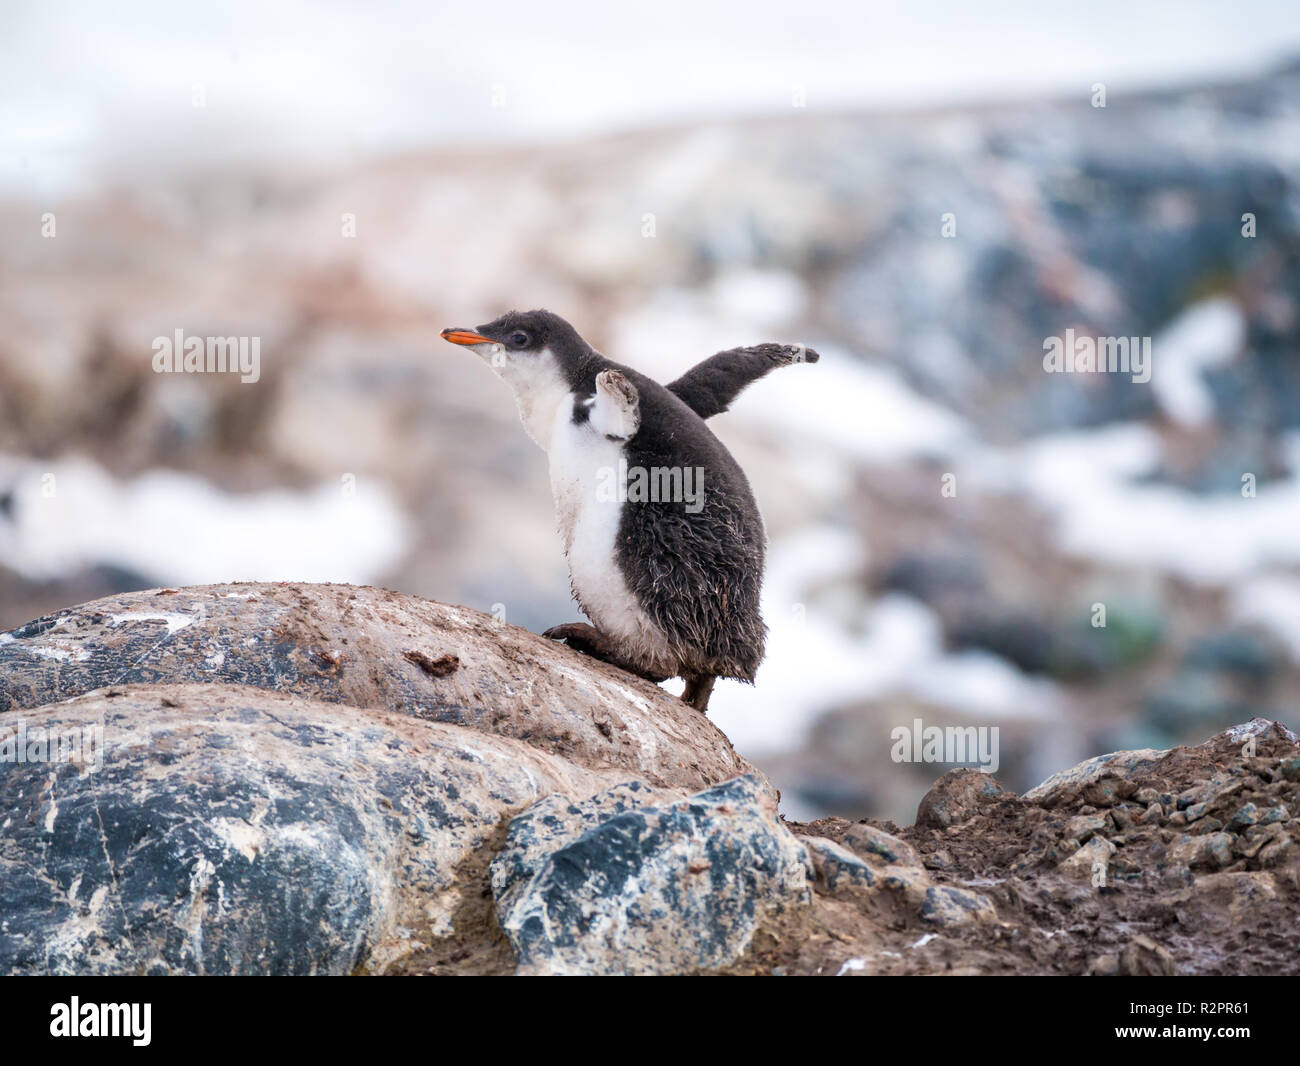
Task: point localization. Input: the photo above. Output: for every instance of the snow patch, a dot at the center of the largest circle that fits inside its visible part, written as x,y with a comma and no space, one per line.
177,529
817,661
1205,335
175,622
1086,479
1272,602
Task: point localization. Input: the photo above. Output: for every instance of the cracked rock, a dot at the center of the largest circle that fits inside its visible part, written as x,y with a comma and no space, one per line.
624,887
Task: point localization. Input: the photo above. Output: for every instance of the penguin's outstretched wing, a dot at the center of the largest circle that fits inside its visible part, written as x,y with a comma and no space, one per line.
709,387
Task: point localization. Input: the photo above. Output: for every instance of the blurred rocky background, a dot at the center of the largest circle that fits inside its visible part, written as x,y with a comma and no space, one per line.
948,522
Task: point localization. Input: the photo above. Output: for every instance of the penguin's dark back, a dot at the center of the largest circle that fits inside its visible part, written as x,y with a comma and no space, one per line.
695,567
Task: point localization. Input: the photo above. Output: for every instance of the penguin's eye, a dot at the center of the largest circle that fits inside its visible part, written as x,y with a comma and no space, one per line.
519,339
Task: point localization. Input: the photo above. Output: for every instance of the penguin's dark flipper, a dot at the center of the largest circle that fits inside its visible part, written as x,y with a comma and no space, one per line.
589,640
698,689
709,387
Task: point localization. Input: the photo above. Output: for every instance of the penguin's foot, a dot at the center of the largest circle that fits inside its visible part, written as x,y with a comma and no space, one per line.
698,689
589,640
584,638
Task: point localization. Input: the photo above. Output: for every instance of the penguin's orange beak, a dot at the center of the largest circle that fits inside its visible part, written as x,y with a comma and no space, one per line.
465,336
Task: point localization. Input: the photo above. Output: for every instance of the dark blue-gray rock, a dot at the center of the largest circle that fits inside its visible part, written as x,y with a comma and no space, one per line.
837,868
370,647
1194,801
1246,815
1212,851
883,886
225,830
533,834
877,845
626,883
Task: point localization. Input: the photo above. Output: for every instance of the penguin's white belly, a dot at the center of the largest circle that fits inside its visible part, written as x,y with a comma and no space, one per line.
584,481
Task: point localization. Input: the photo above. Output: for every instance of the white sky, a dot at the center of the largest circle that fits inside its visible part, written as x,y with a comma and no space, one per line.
84,84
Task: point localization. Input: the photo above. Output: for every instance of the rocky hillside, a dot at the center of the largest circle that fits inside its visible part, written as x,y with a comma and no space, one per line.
333,779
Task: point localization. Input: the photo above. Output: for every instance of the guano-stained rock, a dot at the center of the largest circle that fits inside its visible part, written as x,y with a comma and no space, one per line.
365,647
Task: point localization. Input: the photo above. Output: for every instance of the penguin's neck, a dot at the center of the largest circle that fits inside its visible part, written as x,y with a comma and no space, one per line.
540,395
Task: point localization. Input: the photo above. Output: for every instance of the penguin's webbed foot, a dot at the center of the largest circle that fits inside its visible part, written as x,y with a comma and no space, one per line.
589,640
582,637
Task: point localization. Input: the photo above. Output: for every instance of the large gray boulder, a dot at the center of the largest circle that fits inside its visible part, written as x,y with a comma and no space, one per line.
370,647
316,779
220,829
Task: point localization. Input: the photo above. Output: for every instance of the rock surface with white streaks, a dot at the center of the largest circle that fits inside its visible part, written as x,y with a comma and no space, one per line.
370,647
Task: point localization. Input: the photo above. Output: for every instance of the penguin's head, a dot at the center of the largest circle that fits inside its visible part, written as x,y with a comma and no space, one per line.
526,348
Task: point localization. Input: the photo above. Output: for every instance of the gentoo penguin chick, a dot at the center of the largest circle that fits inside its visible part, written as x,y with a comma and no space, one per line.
669,578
